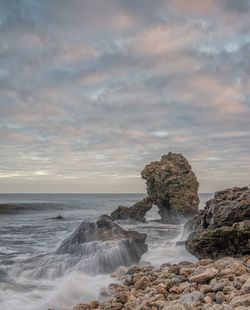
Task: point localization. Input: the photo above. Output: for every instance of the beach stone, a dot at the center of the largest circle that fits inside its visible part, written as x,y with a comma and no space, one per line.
185,271
191,298
175,305
82,307
94,304
219,286
228,289
208,300
173,187
243,300
205,288
142,284
246,287
231,265
205,276
219,297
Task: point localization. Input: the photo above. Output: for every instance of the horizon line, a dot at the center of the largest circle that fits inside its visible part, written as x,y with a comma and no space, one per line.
80,193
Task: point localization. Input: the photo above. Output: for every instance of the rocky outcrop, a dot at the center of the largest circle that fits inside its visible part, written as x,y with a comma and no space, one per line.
222,284
107,243
173,187
223,227
137,212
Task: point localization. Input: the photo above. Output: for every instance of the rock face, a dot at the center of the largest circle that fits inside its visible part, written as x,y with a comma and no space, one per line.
173,187
107,244
223,227
137,212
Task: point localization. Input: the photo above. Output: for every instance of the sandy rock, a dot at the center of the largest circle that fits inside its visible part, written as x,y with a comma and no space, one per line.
173,187
219,297
205,288
175,305
142,284
94,304
243,300
231,264
191,298
205,276
185,271
219,286
246,286
228,289
82,307
208,300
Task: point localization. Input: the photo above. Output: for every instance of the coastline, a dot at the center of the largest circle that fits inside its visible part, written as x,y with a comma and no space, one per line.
222,284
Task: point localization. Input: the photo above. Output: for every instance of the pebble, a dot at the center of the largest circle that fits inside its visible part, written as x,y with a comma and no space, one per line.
222,284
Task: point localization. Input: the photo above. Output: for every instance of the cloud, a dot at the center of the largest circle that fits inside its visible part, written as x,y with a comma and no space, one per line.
91,91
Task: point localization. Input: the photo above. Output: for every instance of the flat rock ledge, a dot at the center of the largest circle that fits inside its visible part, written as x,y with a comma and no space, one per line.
136,212
222,284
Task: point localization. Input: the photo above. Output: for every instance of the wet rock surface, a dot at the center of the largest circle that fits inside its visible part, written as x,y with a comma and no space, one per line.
136,212
173,187
205,285
223,227
112,245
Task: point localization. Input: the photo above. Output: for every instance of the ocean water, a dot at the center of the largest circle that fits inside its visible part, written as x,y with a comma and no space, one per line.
34,277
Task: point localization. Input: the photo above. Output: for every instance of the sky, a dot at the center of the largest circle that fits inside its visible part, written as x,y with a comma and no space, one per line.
91,91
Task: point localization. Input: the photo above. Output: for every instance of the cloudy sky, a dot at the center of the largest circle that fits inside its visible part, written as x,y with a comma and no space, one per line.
91,91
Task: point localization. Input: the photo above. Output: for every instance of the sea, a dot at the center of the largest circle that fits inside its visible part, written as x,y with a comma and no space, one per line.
34,277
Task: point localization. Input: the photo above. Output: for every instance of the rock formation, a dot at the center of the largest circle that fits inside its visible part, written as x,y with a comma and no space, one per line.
137,212
223,227
173,187
107,243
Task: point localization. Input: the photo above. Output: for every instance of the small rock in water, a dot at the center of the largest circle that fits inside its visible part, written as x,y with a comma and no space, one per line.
59,217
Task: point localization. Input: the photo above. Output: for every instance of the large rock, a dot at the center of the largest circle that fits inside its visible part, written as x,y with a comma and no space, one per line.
173,187
104,244
137,212
223,227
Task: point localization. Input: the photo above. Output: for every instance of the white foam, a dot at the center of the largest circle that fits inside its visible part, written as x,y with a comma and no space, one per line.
62,293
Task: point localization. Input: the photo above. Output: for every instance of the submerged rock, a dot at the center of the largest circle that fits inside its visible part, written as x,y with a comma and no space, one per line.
173,187
137,212
58,217
105,243
223,227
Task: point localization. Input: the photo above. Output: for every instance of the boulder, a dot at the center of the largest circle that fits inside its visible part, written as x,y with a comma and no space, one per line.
228,206
105,244
223,227
173,187
224,241
137,212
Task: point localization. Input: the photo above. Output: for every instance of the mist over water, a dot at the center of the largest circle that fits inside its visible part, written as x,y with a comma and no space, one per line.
34,275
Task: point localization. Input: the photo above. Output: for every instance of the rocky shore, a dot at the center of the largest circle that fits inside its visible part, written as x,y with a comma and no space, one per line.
219,235
222,284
